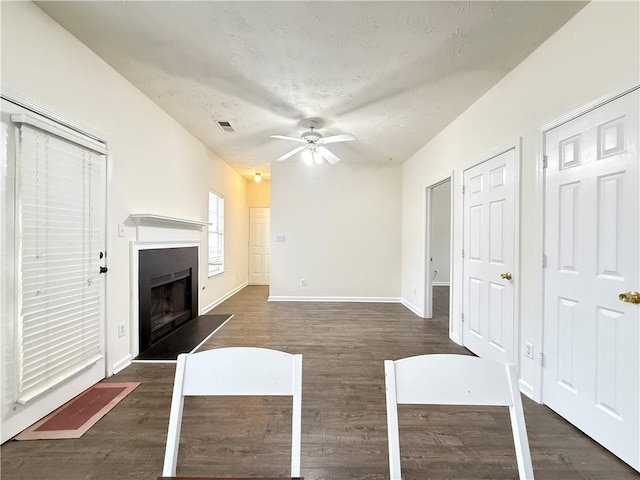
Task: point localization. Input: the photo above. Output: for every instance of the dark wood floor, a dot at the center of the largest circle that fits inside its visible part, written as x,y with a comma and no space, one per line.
343,424
440,302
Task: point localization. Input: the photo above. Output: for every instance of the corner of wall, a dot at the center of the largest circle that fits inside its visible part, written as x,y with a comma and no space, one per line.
412,307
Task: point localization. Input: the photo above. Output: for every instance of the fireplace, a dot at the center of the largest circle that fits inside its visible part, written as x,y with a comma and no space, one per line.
167,290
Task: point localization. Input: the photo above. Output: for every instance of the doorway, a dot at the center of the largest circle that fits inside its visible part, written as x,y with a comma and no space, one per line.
53,248
259,245
591,373
438,249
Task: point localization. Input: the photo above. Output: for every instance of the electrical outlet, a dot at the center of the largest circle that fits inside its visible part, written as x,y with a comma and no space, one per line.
528,350
303,282
121,329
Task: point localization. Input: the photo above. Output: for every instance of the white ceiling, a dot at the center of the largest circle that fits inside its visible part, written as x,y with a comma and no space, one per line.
393,74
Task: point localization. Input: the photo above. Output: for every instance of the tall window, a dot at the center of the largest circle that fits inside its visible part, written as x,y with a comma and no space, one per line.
216,234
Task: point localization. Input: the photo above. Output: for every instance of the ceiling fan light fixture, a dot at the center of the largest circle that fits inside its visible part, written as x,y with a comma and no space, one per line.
307,157
257,177
311,137
313,150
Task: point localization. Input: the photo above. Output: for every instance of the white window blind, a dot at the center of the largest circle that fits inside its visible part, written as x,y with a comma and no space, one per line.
216,233
61,205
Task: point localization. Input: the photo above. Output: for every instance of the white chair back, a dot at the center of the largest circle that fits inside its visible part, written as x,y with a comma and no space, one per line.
235,371
454,380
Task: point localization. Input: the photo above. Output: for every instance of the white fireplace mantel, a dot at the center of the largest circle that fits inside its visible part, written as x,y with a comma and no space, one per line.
152,227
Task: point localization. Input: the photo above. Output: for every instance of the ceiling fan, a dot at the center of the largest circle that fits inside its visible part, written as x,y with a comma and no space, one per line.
313,150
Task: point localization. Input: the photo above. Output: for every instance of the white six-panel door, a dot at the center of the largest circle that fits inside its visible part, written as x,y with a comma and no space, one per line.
489,249
259,246
591,337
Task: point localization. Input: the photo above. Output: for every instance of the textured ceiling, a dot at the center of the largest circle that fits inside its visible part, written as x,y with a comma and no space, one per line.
393,74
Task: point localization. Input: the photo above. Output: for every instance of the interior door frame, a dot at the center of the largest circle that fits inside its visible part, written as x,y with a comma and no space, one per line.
540,191
427,307
44,111
516,145
62,393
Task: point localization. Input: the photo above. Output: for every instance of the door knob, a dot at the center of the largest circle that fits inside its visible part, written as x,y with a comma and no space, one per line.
630,297
506,276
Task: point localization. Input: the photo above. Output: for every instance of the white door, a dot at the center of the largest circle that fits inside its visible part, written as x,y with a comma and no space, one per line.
591,374
53,247
488,262
259,246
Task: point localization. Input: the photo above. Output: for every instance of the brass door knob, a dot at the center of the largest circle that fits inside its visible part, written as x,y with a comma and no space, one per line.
506,276
630,297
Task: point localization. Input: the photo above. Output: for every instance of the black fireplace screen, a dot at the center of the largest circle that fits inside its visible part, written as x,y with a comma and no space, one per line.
170,307
168,292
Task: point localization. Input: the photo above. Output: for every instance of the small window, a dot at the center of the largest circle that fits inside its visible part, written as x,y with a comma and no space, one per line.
216,234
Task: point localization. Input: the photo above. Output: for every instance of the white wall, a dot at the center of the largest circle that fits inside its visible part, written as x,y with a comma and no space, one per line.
259,194
155,166
441,232
342,230
595,53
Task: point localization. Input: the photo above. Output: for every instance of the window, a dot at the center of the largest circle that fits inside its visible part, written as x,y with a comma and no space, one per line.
216,234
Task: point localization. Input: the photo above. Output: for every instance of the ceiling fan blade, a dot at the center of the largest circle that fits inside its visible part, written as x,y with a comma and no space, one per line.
291,153
328,156
343,137
284,137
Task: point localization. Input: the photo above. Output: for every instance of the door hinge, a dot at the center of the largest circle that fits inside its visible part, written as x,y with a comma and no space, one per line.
545,161
463,253
463,189
462,317
544,261
543,361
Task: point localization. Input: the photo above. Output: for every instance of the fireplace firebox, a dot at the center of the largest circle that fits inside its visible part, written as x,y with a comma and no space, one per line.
168,292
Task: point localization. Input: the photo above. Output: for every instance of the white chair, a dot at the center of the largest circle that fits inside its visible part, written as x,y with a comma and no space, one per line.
454,380
235,371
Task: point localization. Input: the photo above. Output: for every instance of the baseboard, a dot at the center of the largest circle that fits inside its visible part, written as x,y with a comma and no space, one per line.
214,304
121,364
440,284
273,298
412,307
526,389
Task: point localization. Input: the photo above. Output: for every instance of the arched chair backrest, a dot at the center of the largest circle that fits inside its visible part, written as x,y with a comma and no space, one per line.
235,371
454,380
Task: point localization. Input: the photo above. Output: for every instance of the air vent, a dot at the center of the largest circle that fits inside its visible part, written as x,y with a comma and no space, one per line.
225,126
